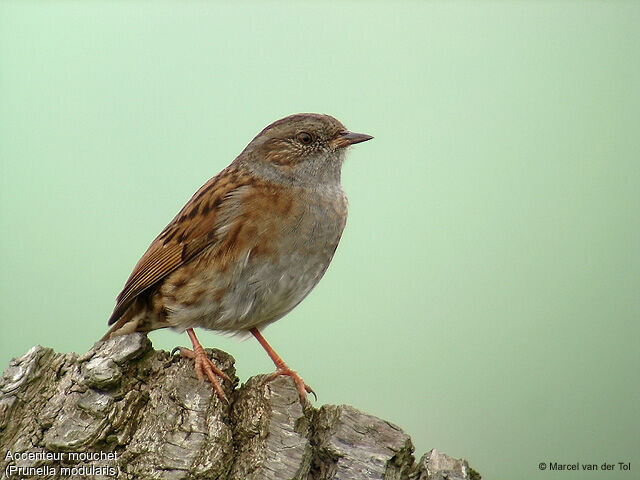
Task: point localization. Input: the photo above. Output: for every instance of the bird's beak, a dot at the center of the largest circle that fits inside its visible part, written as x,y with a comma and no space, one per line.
345,138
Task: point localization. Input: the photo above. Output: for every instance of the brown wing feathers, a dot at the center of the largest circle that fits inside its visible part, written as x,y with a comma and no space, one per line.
179,242
152,267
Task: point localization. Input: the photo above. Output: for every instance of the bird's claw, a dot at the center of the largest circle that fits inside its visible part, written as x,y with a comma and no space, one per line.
303,388
204,366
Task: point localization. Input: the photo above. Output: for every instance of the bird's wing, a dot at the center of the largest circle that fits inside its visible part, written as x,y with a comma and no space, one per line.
193,229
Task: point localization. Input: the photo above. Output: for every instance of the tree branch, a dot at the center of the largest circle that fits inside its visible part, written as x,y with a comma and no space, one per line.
125,410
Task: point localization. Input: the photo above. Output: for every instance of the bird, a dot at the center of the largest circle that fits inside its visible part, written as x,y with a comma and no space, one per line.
248,246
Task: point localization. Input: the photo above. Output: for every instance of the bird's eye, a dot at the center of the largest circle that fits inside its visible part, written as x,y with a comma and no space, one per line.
305,138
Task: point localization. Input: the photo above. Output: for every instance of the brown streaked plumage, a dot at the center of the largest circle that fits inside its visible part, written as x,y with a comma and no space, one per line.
249,245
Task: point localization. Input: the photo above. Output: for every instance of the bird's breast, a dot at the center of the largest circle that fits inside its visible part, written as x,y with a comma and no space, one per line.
272,255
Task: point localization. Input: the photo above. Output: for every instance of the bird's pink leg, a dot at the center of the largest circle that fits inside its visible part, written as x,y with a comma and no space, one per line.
204,366
282,368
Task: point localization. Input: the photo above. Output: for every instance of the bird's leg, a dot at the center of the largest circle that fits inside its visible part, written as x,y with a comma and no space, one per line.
204,366
282,368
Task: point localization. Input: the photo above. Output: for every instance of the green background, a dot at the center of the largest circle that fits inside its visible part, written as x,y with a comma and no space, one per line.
485,293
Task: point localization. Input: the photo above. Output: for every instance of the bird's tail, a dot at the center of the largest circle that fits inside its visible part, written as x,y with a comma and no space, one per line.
136,318
127,323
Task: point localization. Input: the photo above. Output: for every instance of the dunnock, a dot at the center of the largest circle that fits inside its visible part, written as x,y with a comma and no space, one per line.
250,244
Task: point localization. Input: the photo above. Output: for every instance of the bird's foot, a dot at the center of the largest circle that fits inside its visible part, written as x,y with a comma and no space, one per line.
303,388
204,365
283,369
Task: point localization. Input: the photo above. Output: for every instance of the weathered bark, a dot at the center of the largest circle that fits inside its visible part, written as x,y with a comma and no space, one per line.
142,413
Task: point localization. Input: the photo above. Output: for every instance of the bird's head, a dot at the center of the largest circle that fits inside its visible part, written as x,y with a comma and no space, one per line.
306,148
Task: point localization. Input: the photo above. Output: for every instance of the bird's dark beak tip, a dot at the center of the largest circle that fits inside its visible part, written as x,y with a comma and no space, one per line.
351,138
